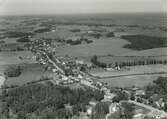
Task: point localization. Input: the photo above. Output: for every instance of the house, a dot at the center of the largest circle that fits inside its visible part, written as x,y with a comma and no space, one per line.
79,62
79,76
118,68
91,32
139,116
54,70
114,107
109,96
89,110
90,107
93,103
140,93
160,103
109,69
64,78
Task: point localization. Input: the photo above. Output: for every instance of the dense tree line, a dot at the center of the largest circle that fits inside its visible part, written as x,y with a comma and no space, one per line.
75,30
120,96
100,110
158,87
1,41
143,42
16,34
98,63
13,71
110,34
78,41
23,39
42,30
140,62
48,101
126,111
96,35
95,61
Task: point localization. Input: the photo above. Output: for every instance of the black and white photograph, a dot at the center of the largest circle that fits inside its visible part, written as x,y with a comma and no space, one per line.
83,59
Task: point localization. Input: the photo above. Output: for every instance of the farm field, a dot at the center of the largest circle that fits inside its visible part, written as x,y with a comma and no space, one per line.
31,72
120,59
7,58
129,81
150,52
132,70
105,46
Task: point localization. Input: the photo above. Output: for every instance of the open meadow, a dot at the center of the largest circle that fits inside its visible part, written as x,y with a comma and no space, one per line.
129,81
105,46
138,75
7,58
30,73
132,71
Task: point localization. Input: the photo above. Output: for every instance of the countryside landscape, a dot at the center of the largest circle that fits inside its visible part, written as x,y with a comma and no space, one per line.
83,66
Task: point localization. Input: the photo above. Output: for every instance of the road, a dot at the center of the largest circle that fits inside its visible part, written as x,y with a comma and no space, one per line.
110,111
2,80
155,73
52,62
153,110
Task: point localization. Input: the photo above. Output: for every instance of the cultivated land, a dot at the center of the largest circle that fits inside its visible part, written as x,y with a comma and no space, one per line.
130,81
8,58
30,72
102,47
98,47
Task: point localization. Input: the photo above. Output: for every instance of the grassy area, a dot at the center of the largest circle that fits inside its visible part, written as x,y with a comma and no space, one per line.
31,72
129,81
143,42
7,58
132,70
98,47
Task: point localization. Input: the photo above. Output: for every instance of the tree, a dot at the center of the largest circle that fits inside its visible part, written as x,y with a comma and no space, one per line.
128,110
13,71
110,34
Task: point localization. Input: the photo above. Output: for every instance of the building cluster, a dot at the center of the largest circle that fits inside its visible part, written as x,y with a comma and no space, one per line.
69,70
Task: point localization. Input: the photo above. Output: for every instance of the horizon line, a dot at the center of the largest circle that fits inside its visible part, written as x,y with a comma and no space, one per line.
63,14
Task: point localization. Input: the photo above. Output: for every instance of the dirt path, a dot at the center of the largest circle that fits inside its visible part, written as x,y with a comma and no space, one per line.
2,80
154,111
107,116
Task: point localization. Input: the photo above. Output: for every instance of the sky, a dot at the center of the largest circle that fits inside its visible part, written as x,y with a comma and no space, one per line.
26,7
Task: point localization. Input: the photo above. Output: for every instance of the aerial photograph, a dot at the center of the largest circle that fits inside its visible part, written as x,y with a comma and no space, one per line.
83,59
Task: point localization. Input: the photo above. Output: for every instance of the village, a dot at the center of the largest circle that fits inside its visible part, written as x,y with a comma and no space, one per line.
68,71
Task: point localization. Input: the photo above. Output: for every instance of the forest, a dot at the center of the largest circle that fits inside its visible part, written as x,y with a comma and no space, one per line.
143,42
47,101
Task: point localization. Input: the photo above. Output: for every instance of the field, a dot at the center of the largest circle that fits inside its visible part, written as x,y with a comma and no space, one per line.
138,76
31,72
129,81
105,46
150,52
7,58
143,42
62,26
132,70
